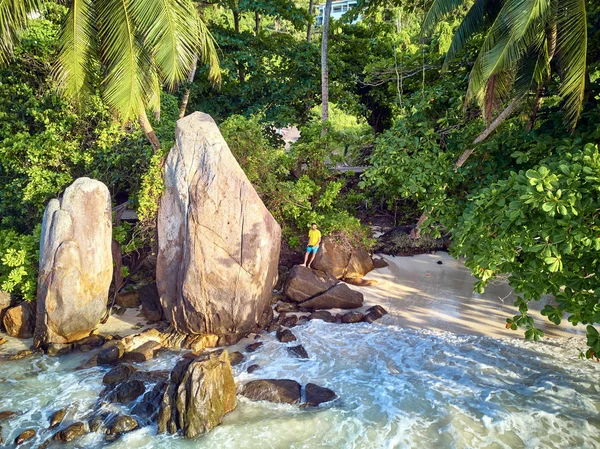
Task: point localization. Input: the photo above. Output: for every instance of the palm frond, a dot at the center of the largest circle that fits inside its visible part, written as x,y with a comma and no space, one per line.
208,52
13,19
78,49
571,51
129,71
437,11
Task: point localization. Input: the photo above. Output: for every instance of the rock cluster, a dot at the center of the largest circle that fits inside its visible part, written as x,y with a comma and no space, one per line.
342,261
286,391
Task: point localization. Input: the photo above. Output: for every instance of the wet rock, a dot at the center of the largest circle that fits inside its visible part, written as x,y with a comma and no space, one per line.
55,349
21,354
352,317
316,395
70,433
380,263
254,346
274,326
439,262
338,297
286,307
96,423
150,300
200,393
342,261
235,358
252,368
2,340
285,336
129,300
374,313
304,283
289,321
127,392
218,245
360,282
143,353
110,353
122,424
90,343
25,436
57,417
118,374
298,351
19,321
147,408
6,415
76,265
273,390
150,376
322,315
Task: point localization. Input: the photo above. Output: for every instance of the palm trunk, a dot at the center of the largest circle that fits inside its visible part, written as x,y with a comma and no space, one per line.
324,64
148,131
236,21
186,95
416,233
309,29
256,23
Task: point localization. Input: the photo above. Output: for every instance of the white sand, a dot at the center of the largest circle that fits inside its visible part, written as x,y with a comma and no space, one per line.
421,294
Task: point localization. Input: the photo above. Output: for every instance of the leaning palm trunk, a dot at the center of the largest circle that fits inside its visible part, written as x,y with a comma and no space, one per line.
186,95
309,28
416,233
324,64
148,130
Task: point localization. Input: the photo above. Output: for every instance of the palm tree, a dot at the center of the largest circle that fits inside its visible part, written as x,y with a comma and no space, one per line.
521,37
324,63
129,47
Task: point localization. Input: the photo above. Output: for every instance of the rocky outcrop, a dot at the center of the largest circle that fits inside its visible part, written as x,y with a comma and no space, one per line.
218,244
339,297
201,391
19,321
75,263
273,390
342,261
304,283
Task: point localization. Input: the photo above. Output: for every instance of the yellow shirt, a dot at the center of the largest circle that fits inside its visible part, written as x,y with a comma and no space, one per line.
314,235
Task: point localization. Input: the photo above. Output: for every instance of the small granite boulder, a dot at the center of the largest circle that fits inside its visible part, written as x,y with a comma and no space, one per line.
338,297
304,283
19,321
273,390
285,336
298,351
316,395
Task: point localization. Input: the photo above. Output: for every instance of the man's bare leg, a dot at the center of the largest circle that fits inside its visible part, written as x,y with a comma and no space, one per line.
305,258
312,258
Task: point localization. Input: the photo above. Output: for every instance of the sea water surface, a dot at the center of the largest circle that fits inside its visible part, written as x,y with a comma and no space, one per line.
398,388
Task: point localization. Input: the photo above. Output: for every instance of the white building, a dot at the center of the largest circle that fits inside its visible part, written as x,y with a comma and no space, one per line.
338,9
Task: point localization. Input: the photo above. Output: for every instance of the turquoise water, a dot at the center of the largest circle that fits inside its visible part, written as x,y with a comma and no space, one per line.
398,388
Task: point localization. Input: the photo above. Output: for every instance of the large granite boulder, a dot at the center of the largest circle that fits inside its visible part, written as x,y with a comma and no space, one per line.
75,263
218,244
342,261
304,283
201,391
19,321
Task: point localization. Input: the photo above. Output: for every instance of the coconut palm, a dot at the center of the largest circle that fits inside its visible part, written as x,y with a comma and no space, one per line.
325,63
128,47
520,39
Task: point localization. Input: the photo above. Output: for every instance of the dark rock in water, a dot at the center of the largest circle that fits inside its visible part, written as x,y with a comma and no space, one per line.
235,358
19,321
374,313
110,353
322,315
150,376
273,327
316,395
69,434
122,424
298,351
304,283
143,353
200,393
148,407
127,392
289,321
21,354
286,307
57,417
285,336
118,374
25,436
1,439
439,262
339,297
352,317
252,368
254,346
96,423
151,308
89,343
273,390
7,415
398,242
380,263
54,349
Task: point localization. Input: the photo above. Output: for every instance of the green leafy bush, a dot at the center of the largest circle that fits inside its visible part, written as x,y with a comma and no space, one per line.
19,257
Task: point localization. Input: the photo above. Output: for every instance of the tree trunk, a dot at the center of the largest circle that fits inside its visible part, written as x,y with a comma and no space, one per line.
324,64
148,131
415,233
236,20
256,23
309,29
190,80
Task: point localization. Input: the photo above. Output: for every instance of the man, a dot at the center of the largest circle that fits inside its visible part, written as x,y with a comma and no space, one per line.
314,240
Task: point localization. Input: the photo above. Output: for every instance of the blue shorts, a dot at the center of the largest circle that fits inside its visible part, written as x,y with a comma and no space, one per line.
312,249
